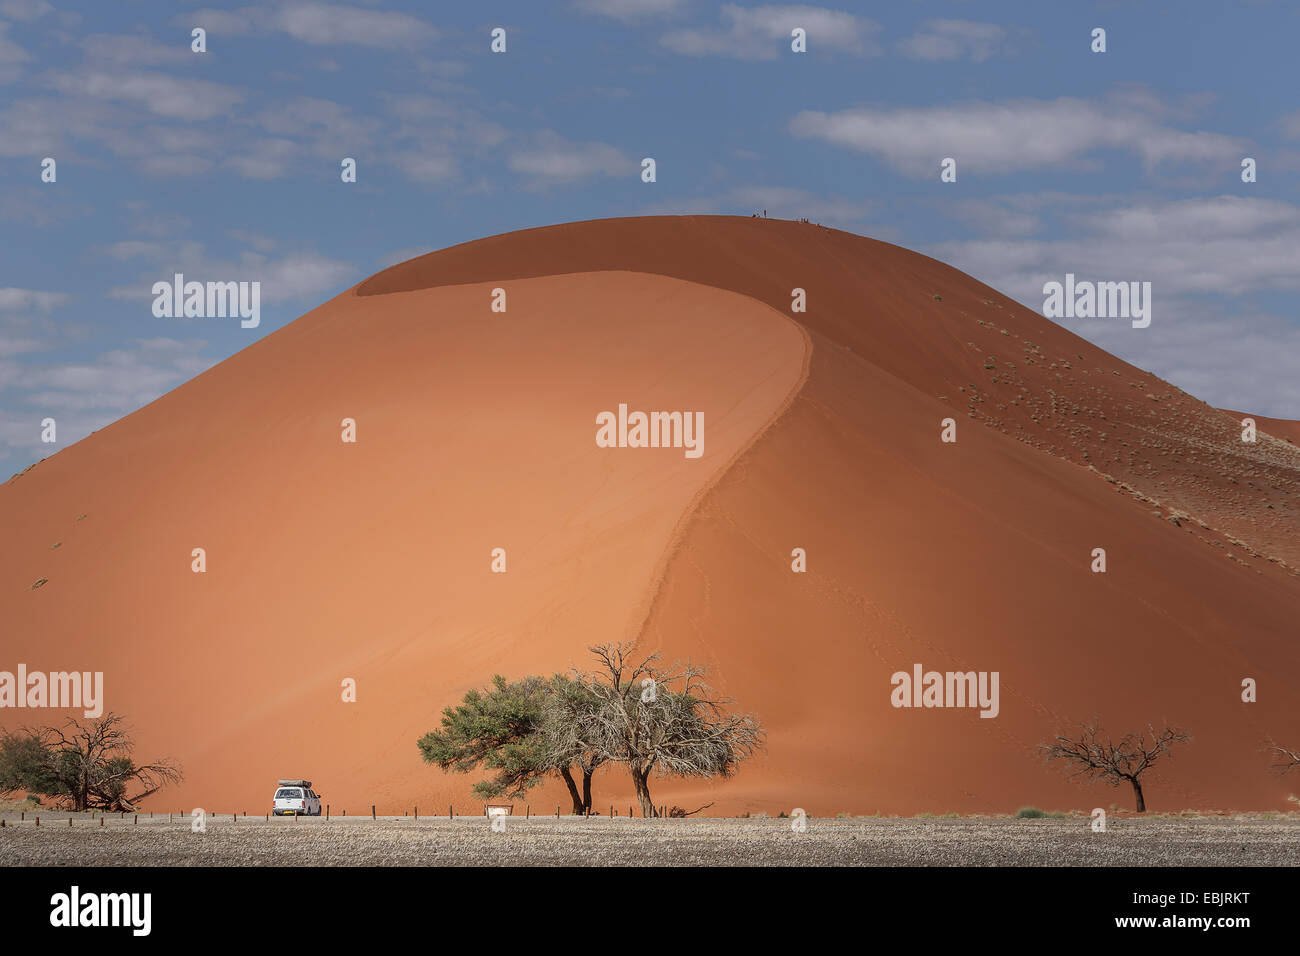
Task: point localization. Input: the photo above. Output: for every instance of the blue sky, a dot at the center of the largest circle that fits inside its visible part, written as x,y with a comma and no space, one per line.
224,165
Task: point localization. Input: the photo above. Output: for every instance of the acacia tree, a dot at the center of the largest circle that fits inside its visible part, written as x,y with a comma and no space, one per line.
563,732
505,728
661,721
84,766
1092,755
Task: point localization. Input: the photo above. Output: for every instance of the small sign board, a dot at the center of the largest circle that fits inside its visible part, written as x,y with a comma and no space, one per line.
498,809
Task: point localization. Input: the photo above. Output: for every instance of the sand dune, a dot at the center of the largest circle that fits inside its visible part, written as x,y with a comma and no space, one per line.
475,430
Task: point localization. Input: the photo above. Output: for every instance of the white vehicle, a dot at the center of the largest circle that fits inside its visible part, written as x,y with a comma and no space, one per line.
295,798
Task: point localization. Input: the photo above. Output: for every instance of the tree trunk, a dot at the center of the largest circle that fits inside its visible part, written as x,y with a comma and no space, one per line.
1137,792
641,782
573,790
586,788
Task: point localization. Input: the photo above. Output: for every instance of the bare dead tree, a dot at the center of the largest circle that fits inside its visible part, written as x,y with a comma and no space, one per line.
1096,756
83,765
564,731
1286,759
660,721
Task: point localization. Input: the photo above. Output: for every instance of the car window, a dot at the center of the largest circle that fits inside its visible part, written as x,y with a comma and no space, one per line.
288,794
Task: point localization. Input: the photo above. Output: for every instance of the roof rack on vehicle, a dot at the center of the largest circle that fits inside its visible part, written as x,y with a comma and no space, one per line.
295,783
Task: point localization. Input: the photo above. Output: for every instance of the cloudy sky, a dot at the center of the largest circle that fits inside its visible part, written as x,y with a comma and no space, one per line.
225,165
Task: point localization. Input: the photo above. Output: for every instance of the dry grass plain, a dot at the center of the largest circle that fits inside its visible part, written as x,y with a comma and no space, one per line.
1237,840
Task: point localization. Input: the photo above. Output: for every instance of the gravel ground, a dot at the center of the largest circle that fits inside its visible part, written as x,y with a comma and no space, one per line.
1244,840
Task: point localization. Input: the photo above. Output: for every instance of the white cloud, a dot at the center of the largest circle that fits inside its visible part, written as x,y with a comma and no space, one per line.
231,23
763,33
162,94
11,56
296,276
425,166
630,11
551,159
1011,135
85,396
955,40
1225,245
1230,358
333,24
1206,259
1290,125
319,24
263,159
16,300
25,9
130,50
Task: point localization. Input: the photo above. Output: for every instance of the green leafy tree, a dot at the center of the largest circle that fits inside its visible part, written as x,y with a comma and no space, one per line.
504,729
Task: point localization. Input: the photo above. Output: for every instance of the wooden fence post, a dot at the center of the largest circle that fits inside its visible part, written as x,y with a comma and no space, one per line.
327,811
372,811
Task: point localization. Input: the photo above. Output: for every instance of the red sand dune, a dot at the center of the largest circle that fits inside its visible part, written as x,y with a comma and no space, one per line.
476,430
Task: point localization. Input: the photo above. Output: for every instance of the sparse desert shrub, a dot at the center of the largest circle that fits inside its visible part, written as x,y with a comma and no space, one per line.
1030,813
